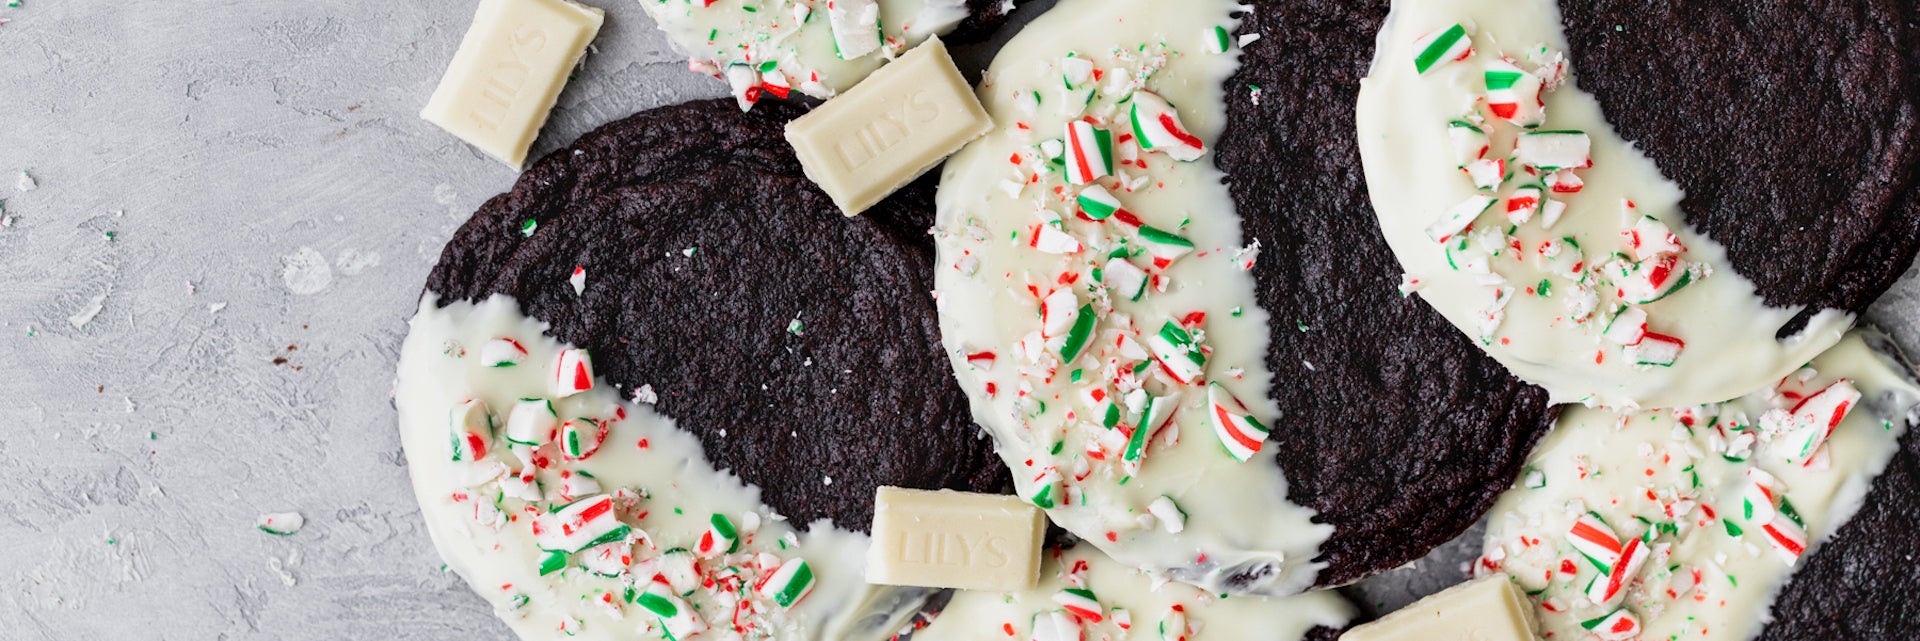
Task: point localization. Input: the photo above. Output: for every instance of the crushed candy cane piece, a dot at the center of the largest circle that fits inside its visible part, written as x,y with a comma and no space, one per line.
789,584
1081,603
1056,625
1173,627
1157,126
1240,433
1045,490
1457,218
532,422
1513,94
1656,350
1171,517
1097,203
502,352
580,438
1554,150
1486,173
579,525
1469,142
1618,625
572,373
1089,152
678,619
856,27
472,430
744,80
1441,47
1627,327
1815,419
1124,279
1050,239
720,538
280,523
1178,354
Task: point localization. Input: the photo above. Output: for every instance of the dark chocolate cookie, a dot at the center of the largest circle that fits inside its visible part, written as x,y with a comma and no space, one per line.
1794,128
984,19
1796,146
1863,582
799,345
1415,431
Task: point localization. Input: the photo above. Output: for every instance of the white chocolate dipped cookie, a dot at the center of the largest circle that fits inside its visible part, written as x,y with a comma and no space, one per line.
1103,302
1061,236
1522,216
577,513
1685,523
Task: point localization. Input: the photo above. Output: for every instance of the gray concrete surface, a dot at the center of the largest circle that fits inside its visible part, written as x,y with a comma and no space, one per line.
202,301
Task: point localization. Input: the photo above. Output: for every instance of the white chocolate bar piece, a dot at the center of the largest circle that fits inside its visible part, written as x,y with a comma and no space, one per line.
948,539
889,129
508,72
1486,609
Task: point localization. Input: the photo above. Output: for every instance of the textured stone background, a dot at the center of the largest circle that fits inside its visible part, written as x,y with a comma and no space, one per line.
201,304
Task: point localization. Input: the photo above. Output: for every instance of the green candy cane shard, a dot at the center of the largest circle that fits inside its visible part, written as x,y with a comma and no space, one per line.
1077,337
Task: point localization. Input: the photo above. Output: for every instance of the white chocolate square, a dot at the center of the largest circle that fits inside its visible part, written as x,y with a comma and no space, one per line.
509,71
947,539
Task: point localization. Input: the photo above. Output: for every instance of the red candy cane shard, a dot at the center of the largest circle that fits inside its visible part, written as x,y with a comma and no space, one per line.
1469,142
1179,356
1157,126
1089,152
1595,540
502,352
1240,433
1080,603
472,430
1816,416
579,525
572,373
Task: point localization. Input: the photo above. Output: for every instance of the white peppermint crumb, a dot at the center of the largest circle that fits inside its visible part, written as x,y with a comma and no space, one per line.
25,182
1250,38
6,221
578,280
688,252
216,307
645,395
1310,366
86,314
829,480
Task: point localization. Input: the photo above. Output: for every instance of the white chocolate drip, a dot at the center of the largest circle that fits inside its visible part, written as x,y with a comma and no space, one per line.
1006,207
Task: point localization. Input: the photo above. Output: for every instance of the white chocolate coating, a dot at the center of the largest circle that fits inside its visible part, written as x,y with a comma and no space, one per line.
1137,600
996,196
1412,175
1709,583
440,366
803,49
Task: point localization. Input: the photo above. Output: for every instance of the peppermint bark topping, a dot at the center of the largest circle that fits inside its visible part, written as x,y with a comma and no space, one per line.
1523,169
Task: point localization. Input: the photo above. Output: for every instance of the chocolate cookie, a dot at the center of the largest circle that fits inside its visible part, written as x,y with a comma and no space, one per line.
1417,432
1400,476
1862,583
1793,127
799,345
